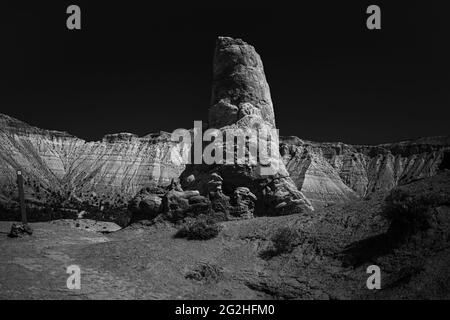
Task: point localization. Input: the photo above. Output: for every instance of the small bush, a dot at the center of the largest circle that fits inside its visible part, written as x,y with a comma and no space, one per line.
284,240
206,273
201,229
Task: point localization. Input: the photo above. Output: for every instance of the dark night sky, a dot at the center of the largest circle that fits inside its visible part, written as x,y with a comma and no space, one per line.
144,68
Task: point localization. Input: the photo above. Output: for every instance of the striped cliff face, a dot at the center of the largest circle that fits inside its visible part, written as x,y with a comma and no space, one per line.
56,164
336,172
60,168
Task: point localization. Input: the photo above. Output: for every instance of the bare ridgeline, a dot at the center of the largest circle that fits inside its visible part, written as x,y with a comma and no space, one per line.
311,227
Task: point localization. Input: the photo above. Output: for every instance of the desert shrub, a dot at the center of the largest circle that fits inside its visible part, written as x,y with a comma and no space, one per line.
205,272
284,240
199,229
216,217
410,209
445,164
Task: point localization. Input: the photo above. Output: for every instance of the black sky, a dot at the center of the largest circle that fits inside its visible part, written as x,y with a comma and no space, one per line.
144,68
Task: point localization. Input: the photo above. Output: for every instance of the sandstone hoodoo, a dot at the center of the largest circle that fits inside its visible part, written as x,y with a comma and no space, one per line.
63,171
241,102
239,84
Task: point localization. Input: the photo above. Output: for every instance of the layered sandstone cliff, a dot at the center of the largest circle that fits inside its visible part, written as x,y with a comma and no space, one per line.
58,166
329,173
60,169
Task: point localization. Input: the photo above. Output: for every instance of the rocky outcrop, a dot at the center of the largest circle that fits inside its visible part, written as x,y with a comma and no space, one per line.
178,205
242,108
20,230
147,204
239,82
243,203
220,203
60,169
64,175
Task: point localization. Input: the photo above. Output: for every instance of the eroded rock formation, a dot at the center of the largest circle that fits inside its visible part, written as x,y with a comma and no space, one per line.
65,175
330,173
241,105
239,84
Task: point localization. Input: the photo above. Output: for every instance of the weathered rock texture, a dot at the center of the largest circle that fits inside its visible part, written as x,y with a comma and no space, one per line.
63,171
330,173
241,102
243,203
147,203
19,230
178,205
239,83
59,167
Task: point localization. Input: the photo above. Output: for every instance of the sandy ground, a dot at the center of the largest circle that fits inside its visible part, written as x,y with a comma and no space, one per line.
135,263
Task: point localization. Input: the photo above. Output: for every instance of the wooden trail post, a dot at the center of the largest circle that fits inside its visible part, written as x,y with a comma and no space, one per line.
21,197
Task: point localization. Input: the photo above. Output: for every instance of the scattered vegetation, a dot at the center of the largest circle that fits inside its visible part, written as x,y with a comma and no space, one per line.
205,272
285,240
201,228
409,212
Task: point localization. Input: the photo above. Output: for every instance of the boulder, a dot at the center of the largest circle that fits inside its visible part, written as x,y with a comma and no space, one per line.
242,203
175,185
215,183
150,205
20,230
247,109
220,204
146,205
178,205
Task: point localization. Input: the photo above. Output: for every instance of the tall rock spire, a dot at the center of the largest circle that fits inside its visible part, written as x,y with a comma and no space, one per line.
241,101
238,79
